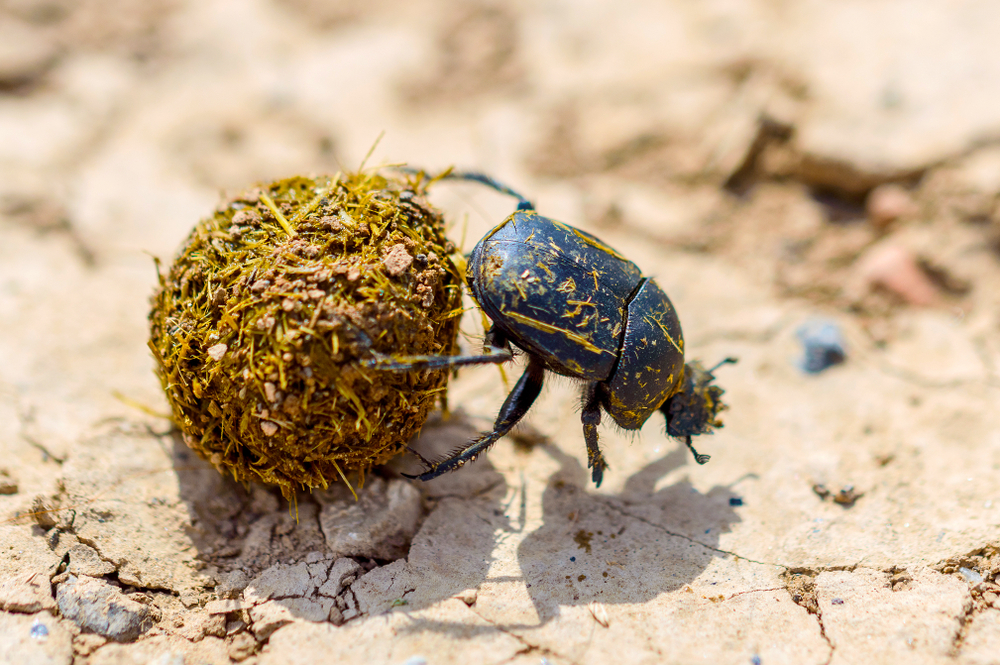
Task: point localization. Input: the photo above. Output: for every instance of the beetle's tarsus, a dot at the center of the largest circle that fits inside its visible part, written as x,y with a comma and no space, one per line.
698,457
591,417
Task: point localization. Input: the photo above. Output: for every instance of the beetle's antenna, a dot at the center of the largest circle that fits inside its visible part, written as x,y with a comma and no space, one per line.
522,203
725,361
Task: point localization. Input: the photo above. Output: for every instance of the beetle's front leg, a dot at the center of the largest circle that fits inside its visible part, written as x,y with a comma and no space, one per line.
591,417
517,404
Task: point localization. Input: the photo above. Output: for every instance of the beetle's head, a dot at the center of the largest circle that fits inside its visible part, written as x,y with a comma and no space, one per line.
695,408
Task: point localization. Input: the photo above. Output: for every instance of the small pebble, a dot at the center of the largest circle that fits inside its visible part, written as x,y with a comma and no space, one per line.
823,345
970,575
7,483
896,269
39,631
837,601
889,202
216,352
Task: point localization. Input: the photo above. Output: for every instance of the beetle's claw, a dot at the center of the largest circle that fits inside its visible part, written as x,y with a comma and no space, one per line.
430,474
598,465
698,457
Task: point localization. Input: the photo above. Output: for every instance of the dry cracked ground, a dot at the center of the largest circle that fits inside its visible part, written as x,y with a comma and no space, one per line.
823,163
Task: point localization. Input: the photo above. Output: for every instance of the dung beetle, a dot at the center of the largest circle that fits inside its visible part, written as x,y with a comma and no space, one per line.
576,308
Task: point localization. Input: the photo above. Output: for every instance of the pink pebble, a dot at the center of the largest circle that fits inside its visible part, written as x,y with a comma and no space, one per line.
895,268
887,203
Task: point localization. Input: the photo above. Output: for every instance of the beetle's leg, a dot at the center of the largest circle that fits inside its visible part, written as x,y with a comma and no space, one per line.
414,363
516,405
496,349
698,457
591,419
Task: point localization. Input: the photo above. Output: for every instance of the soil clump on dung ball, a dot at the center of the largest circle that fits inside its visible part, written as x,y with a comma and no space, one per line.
261,326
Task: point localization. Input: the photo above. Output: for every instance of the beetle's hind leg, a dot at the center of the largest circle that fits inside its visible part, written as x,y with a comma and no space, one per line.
591,417
514,407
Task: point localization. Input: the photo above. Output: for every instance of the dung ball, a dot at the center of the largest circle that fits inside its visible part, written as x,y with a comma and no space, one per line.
261,326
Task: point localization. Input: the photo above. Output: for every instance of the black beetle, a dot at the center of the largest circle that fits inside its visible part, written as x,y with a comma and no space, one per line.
580,309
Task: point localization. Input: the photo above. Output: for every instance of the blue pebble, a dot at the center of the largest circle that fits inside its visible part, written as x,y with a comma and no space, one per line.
823,345
39,631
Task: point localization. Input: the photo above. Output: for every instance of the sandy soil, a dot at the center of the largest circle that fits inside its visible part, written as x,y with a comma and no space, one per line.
771,163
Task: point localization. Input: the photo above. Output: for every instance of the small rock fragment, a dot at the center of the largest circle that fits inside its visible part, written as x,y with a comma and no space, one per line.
889,202
7,483
846,496
397,260
269,617
216,352
224,606
268,428
823,345
233,584
469,596
415,660
970,575
198,625
98,607
897,270
242,647
44,510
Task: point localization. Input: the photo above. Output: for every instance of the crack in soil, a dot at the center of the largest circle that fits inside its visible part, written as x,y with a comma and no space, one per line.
662,528
529,648
801,587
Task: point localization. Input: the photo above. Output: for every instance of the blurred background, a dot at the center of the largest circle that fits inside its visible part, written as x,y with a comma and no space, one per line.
814,182
793,138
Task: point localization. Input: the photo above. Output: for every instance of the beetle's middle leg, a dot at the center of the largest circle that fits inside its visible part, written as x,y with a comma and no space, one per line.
496,350
591,417
514,407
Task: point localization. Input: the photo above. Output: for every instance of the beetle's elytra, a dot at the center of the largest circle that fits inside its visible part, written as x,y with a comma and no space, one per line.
577,308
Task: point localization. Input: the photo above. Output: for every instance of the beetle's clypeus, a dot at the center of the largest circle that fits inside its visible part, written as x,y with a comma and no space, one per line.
577,308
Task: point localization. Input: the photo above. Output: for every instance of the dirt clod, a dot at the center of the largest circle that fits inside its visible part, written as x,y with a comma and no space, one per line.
98,607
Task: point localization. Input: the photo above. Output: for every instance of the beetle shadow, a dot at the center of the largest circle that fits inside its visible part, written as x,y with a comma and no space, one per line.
625,548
